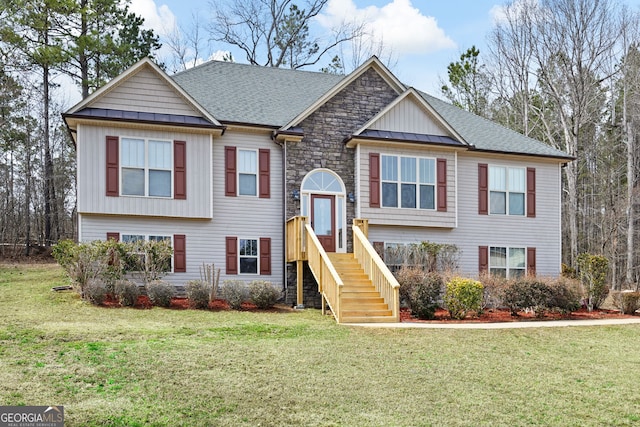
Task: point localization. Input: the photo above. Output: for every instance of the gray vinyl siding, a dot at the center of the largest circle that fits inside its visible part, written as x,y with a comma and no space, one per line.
92,176
241,217
145,92
251,214
408,116
542,232
205,242
408,217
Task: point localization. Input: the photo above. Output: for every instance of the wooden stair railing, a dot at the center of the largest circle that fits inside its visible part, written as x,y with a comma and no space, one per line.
377,271
357,287
329,283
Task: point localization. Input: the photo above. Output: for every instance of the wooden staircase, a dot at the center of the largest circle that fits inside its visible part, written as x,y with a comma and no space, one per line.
357,287
360,301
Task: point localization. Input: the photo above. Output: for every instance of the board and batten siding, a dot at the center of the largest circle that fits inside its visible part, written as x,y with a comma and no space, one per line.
145,92
408,116
91,172
407,217
474,230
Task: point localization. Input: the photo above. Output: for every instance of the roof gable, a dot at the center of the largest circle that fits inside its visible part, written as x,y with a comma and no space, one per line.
410,113
143,88
485,135
373,63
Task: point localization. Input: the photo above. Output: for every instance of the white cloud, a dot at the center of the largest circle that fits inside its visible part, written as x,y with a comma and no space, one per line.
399,25
160,19
501,13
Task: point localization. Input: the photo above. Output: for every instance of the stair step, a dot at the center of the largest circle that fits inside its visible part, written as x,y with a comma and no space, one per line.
363,299
363,306
368,319
366,313
360,279
358,284
360,292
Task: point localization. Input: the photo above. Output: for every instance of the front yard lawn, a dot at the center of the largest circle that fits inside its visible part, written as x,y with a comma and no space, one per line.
135,367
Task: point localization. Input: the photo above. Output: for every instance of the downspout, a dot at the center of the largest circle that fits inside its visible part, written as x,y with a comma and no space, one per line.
283,146
284,219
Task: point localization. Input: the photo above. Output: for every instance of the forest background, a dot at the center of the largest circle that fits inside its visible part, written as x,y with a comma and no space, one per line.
566,72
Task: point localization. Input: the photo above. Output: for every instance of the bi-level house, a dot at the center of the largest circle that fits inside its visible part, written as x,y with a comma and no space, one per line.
265,171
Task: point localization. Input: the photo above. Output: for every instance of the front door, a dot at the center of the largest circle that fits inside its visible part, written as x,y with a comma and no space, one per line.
323,220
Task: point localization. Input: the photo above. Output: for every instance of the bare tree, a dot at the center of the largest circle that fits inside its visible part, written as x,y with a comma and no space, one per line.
276,33
559,57
510,53
188,44
575,46
630,106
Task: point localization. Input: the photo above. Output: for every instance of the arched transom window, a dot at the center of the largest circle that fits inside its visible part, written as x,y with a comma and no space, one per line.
327,189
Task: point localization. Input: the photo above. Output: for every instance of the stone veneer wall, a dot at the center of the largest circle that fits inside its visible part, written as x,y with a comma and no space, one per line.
323,147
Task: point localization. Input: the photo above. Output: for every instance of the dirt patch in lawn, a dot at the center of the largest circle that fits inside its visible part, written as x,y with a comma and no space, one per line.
504,315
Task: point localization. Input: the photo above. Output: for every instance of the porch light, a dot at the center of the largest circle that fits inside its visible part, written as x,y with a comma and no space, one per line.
351,197
295,194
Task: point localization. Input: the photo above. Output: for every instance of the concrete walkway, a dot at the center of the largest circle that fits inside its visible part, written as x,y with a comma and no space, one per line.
503,325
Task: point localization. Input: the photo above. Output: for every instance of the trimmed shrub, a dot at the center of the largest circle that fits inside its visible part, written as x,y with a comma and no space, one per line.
592,270
463,296
95,291
424,296
565,295
160,293
127,292
493,289
527,294
263,294
626,301
198,293
538,295
408,278
235,293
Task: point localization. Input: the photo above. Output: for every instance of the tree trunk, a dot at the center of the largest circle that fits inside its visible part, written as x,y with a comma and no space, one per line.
629,276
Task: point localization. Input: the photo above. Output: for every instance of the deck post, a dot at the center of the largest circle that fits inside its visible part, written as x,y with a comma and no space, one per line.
299,284
363,225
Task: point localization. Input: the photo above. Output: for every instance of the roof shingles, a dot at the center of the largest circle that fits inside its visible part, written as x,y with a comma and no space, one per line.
240,93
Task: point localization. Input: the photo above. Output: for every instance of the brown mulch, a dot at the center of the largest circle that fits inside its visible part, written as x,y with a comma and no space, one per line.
504,315
178,303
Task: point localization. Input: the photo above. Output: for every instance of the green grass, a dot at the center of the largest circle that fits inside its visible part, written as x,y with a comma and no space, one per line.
132,367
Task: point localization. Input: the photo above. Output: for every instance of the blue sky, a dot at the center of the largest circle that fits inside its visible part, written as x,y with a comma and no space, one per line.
425,35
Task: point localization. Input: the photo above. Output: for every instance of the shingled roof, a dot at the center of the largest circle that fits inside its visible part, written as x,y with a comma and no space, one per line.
248,94
241,93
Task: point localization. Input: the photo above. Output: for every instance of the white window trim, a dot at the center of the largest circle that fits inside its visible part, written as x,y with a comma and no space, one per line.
255,174
417,182
146,239
146,168
507,213
341,199
507,268
257,273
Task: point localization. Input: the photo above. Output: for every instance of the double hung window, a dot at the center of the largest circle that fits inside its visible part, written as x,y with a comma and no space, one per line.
248,256
142,254
408,182
507,262
247,172
507,189
146,167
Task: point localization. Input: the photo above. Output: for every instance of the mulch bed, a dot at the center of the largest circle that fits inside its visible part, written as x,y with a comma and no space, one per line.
183,304
442,316
504,315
